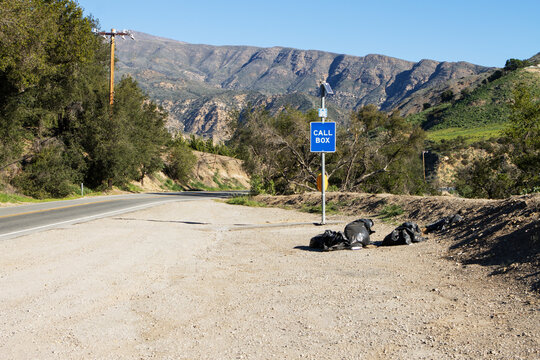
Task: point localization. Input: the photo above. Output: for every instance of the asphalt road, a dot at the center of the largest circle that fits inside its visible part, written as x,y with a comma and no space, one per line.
25,219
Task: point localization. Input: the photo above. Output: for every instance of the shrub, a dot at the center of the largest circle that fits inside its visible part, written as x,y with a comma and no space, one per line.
171,185
259,186
490,178
330,208
181,162
46,175
496,75
514,64
245,201
390,211
447,95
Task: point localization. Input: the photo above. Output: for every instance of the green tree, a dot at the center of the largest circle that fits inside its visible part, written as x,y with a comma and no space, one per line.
54,90
497,74
492,177
143,122
380,153
276,151
49,59
524,135
126,144
180,161
514,64
512,166
110,152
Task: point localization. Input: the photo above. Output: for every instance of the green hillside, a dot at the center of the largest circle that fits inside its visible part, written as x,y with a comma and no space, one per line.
479,112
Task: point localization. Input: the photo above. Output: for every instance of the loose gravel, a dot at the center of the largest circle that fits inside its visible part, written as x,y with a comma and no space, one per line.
206,280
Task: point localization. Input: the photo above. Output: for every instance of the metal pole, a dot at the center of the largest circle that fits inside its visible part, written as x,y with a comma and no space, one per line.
82,189
323,177
323,221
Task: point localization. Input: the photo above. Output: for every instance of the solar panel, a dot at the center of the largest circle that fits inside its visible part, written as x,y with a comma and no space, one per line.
326,89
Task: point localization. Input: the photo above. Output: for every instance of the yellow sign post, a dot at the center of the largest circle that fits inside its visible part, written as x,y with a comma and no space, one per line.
319,182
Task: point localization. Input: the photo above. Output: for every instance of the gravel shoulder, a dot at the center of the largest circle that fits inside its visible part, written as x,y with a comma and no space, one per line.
189,280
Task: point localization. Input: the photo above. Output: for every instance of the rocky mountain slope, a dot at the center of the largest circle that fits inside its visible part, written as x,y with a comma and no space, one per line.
200,84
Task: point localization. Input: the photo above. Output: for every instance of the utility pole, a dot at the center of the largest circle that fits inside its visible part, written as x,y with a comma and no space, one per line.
112,36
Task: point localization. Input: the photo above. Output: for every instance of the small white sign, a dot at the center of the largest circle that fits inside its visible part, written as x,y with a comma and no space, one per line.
323,113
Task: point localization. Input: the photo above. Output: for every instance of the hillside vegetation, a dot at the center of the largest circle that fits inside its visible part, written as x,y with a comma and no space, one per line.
377,152
481,111
380,152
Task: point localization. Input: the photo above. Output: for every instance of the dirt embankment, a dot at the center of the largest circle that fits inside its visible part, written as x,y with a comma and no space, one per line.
503,235
216,171
211,171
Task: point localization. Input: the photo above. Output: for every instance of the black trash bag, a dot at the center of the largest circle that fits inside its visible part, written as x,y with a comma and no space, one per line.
405,234
330,240
358,231
444,223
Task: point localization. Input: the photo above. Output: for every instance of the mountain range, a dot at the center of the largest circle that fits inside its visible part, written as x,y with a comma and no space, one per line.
200,84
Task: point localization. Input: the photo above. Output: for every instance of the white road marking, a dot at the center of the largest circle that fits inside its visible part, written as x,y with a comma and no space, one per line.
86,218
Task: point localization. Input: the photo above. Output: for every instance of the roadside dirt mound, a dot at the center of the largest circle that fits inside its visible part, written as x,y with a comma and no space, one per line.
503,235
217,171
152,183
210,172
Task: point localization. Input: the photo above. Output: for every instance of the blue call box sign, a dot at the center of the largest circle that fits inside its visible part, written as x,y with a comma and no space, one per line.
322,136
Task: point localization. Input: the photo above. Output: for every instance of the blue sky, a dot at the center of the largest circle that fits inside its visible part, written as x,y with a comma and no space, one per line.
478,31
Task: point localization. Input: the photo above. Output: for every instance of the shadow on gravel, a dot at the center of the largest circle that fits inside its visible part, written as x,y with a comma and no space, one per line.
165,221
535,284
203,194
307,248
374,244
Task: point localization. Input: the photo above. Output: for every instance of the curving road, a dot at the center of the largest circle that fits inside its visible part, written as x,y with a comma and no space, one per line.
25,219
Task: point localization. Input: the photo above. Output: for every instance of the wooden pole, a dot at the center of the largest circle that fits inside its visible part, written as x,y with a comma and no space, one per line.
111,80
112,35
